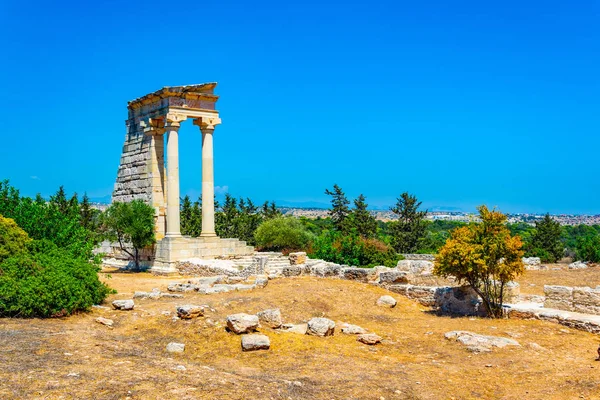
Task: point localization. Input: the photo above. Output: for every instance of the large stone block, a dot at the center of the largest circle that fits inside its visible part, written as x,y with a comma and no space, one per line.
415,266
558,297
586,300
357,274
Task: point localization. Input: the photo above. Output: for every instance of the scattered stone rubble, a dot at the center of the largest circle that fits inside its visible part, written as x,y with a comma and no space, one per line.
578,265
387,301
190,311
156,294
369,338
320,327
123,305
255,342
175,347
105,321
480,343
242,323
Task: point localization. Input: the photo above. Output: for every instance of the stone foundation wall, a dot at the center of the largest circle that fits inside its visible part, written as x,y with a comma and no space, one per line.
421,257
578,299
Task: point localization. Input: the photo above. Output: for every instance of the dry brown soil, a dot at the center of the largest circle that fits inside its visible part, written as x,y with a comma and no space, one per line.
77,358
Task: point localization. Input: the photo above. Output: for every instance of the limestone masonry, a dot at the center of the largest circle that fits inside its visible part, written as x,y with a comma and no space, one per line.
142,174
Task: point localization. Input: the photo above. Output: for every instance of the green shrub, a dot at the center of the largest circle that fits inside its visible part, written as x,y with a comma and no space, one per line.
47,281
12,238
353,250
282,233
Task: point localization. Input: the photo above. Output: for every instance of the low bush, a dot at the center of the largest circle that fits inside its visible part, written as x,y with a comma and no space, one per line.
282,233
39,279
353,250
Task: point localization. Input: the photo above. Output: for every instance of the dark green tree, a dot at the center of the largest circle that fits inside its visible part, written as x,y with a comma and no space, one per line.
339,208
132,223
185,215
59,200
546,240
269,210
361,219
409,230
87,213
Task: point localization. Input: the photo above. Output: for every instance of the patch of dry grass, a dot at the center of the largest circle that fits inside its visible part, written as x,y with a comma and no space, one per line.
532,282
415,361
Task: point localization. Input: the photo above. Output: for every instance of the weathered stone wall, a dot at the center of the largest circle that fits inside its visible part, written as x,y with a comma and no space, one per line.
578,299
423,257
449,300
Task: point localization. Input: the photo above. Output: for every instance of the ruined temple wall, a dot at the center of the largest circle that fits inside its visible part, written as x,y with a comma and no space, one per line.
578,299
134,179
141,173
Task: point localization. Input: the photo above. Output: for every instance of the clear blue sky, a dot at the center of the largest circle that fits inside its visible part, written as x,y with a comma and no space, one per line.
460,103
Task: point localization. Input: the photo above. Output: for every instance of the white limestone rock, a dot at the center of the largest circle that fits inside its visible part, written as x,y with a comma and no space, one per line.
320,327
175,347
578,265
393,277
242,323
105,321
295,328
415,266
369,338
350,329
387,301
480,343
270,318
261,282
189,311
255,342
123,304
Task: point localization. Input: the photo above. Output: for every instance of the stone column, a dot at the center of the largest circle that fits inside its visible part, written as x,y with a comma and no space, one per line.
207,127
172,123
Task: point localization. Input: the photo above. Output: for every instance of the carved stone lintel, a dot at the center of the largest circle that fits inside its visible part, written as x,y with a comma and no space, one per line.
207,124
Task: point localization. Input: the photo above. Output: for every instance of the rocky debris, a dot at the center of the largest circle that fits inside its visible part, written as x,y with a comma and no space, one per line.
175,347
270,318
578,265
393,277
387,301
208,280
242,323
292,270
295,328
297,258
189,311
357,274
208,267
261,282
324,270
123,304
105,321
532,263
235,279
415,257
255,342
320,327
369,338
536,347
154,294
182,287
461,300
415,266
480,343
350,329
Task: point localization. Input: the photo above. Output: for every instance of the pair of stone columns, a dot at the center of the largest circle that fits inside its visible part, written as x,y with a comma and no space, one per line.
207,127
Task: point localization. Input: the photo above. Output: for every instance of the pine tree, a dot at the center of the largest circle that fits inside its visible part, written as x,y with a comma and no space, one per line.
86,213
186,216
361,219
339,208
410,228
546,242
59,200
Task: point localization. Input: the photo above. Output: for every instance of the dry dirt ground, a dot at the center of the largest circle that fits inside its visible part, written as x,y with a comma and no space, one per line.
77,358
532,282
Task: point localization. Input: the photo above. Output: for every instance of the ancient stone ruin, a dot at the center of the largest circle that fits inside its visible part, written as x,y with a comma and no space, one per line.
142,173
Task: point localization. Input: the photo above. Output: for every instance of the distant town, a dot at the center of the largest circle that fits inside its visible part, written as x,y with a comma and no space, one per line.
386,215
